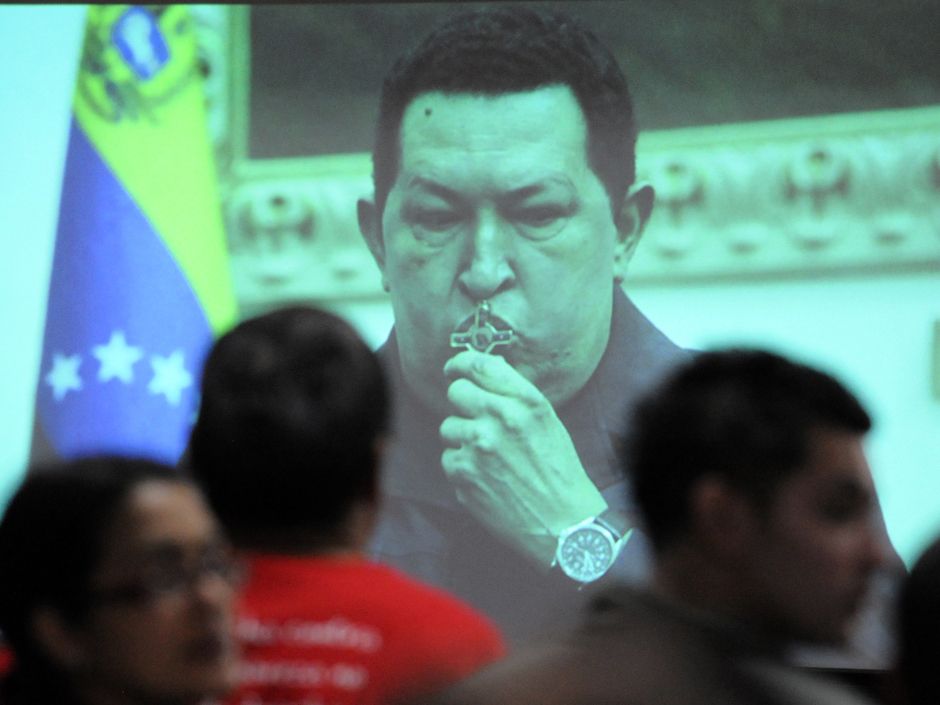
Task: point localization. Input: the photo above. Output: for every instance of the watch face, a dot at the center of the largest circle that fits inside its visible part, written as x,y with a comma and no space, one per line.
586,554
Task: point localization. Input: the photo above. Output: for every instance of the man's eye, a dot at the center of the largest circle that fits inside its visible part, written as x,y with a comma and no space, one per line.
433,219
539,216
841,510
165,580
540,222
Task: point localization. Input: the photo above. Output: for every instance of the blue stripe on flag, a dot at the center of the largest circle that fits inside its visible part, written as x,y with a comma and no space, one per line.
125,335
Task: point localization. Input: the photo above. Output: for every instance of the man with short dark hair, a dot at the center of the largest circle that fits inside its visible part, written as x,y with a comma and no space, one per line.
750,475
504,215
288,442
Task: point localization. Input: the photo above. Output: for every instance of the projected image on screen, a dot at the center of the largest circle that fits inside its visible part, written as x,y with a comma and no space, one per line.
501,236
505,213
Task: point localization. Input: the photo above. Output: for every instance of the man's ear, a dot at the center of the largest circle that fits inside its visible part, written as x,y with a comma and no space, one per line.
722,519
637,207
371,228
60,641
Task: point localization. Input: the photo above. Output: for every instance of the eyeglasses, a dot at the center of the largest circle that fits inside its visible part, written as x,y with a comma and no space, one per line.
164,581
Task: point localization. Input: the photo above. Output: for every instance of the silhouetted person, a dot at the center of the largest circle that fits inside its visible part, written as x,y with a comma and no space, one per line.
755,491
919,630
288,442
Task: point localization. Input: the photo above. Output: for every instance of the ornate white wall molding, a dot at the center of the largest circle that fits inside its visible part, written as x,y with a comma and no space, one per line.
856,192
799,197
293,232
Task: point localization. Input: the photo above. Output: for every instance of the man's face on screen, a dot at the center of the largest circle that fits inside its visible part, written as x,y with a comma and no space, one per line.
816,546
495,200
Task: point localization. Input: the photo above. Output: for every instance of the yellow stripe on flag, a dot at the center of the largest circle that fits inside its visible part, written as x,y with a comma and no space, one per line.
152,133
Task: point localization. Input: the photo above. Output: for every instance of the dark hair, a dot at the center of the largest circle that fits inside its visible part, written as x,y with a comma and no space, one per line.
919,629
52,537
503,50
743,415
292,404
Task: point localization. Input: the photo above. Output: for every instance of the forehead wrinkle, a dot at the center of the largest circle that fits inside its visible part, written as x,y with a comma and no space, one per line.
433,187
507,130
540,186
509,194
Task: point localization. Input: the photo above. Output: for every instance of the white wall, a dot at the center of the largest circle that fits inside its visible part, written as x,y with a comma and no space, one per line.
39,49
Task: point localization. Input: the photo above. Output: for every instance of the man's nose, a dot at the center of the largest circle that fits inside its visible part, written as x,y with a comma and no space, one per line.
487,266
215,588
213,594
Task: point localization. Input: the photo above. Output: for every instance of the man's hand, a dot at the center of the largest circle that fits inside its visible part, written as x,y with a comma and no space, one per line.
511,459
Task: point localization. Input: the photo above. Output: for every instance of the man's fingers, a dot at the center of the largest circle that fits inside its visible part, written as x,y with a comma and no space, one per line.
489,372
458,467
471,400
457,432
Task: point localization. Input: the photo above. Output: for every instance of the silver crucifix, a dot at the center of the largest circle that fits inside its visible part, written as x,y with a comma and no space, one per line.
482,331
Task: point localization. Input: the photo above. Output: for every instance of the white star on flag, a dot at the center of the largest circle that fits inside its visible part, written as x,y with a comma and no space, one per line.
117,358
63,377
170,377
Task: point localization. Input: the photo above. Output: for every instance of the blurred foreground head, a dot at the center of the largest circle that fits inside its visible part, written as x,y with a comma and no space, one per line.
293,412
919,629
751,478
117,587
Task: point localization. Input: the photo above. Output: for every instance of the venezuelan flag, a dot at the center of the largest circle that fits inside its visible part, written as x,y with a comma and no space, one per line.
140,283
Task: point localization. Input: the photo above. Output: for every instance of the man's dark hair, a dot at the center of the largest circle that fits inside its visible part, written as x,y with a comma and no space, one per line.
746,416
293,404
52,537
503,50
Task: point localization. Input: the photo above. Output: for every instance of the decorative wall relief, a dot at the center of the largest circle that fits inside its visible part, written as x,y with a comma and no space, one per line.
295,237
680,197
800,197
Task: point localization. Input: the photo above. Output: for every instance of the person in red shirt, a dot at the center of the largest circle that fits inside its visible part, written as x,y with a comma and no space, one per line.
287,446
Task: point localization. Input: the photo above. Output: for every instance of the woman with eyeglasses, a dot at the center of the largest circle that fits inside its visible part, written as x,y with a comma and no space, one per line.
116,588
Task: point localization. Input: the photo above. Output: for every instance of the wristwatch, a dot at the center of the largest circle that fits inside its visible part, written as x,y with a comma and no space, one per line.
587,550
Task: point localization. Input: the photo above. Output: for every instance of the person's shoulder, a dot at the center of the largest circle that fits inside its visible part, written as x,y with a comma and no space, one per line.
639,353
433,606
549,673
432,639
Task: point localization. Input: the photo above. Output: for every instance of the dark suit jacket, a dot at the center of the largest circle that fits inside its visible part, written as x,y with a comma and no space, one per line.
426,532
